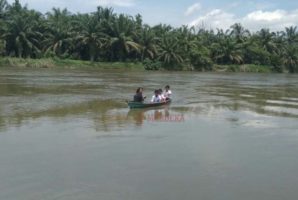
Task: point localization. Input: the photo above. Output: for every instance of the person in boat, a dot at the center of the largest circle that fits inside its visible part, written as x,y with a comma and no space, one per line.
167,93
163,98
156,98
138,97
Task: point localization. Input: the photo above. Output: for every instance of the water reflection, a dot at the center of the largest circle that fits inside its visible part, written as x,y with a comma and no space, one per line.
100,97
137,115
159,114
110,115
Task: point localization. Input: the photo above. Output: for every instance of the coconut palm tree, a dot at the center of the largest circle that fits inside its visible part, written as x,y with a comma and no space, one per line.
23,35
59,36
254,53
187,39
90,34
162,29
291,35
169,51
121,33
2,45
290,58
266,40
227,51
148,42
199,57
105,15
239,32
3,8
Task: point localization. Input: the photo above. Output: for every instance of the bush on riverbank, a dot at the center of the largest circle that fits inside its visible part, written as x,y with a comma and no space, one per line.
65,63
148,65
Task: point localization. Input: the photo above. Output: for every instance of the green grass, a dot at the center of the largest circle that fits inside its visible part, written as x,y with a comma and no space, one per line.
79,64
66,63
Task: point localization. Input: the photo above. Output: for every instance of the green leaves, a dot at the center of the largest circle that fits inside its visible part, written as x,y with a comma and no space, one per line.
22,33
290,58
104,35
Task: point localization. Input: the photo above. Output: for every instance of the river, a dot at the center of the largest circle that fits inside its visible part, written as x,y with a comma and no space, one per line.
68,135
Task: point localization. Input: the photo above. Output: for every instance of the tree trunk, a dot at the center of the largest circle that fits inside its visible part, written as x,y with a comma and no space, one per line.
92,52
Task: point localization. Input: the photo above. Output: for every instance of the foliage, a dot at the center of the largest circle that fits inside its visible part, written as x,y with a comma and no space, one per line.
151,65
65,63
106,36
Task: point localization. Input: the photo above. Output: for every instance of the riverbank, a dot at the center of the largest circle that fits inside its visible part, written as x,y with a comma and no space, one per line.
79,64
66,64
249,68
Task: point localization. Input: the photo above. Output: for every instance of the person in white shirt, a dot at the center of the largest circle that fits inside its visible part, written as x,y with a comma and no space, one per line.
167,93
162,96
156,98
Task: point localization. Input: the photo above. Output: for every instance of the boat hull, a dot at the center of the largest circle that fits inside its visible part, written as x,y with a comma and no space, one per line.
133,105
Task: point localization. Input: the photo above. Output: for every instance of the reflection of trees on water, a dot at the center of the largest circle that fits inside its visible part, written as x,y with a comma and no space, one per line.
279,101
112,114
137,115
23,89
106,115
148,114
95,110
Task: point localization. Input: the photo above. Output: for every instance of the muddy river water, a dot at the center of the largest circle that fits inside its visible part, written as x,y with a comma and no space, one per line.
69,135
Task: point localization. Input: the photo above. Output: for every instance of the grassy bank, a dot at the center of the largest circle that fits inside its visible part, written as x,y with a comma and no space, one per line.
66,64
79,64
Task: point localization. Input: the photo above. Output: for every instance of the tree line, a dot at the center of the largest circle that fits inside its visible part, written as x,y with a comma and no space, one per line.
104,35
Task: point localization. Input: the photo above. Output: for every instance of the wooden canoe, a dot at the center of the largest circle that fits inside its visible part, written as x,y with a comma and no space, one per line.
133,104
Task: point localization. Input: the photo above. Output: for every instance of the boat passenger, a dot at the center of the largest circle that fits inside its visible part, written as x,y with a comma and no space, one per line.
138,97
156,98
163,98
167,93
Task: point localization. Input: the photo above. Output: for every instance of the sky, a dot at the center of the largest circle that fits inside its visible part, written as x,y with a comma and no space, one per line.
252,14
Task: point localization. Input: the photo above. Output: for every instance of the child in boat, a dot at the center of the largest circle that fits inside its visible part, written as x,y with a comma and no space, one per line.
167,93
163,98
138,97
156,98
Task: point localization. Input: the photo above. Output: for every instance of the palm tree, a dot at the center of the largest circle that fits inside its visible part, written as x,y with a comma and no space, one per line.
266,40
3,8
291,58
291,35
226,51
148,44
254,53
121,33
105,15
2,44
22,35
162,29
59,36
90,34
199,57
239,32
169,51
187,39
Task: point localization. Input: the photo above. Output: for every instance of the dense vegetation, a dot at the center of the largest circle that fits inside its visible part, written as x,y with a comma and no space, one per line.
109,37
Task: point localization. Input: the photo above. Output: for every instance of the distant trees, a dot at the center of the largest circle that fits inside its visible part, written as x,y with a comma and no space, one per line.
106,36
3,8
22,31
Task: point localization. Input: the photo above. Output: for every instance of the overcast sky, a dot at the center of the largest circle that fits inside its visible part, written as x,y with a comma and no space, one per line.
253,14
